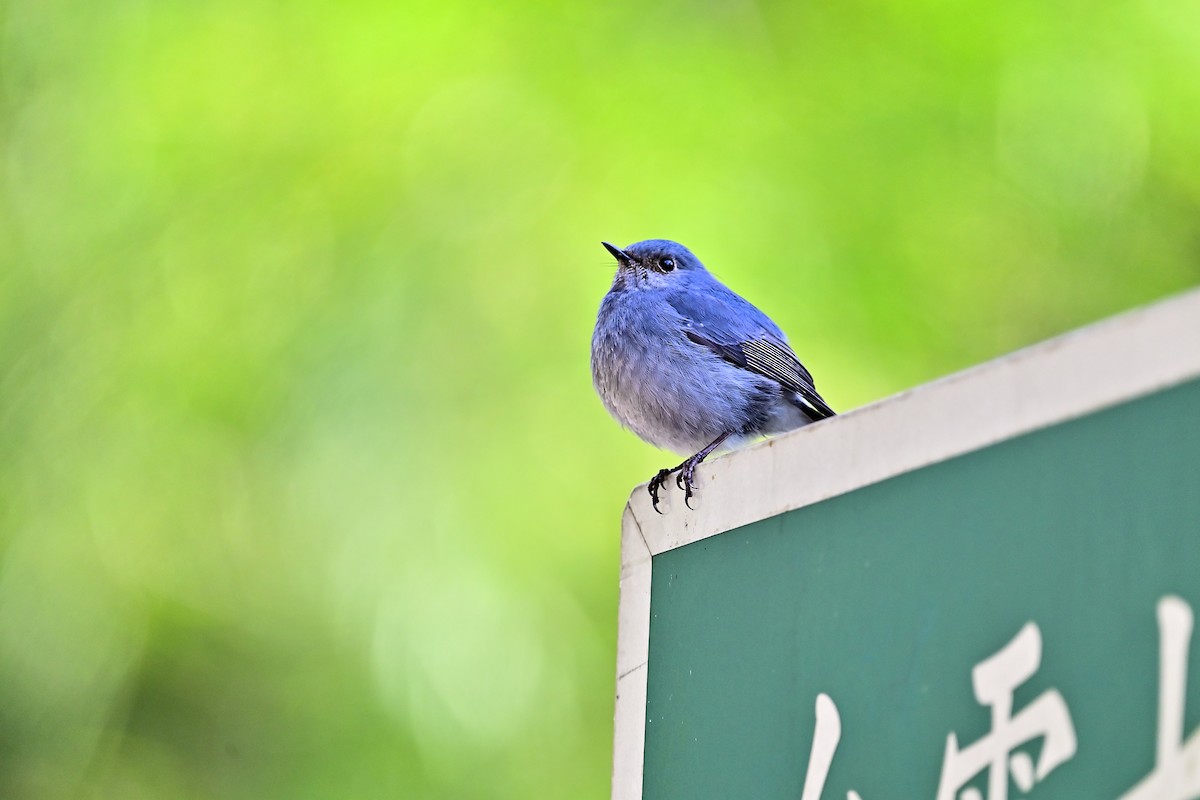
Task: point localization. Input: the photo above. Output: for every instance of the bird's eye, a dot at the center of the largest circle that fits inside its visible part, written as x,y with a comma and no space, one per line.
667,264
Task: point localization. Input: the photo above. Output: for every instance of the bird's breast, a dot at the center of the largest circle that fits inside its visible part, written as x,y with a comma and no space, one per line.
671,392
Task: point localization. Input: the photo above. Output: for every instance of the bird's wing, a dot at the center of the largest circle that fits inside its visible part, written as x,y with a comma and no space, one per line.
745,337
771,358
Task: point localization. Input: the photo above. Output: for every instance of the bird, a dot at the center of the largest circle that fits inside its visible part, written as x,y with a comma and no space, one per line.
689,365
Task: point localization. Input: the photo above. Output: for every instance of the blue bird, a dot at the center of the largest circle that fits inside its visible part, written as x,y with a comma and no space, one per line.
690,366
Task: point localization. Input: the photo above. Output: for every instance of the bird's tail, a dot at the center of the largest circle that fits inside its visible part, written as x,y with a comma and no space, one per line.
813,405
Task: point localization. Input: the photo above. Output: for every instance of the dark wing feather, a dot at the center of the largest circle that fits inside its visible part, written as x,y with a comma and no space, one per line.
772,358
734,329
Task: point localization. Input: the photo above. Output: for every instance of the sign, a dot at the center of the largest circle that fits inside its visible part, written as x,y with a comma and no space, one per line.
978,590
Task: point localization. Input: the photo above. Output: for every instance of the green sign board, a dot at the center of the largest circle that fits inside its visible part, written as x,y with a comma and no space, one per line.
1011,620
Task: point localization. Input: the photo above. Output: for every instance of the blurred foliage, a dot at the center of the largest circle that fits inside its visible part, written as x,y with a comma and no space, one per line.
303,489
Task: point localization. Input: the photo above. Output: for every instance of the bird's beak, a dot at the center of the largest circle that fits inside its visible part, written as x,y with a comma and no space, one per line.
622,257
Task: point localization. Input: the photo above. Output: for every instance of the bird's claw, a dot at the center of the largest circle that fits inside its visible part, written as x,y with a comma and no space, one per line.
656,483
686,475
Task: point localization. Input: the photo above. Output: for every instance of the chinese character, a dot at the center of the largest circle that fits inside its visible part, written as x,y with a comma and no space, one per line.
995,680
1176,774
826,735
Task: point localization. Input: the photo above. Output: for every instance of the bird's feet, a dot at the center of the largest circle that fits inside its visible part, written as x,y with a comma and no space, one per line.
687,473
684,480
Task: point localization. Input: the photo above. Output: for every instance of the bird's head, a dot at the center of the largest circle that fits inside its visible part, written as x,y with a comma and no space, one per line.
652,263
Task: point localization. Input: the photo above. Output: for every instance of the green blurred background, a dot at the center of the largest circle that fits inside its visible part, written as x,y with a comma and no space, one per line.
304,492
